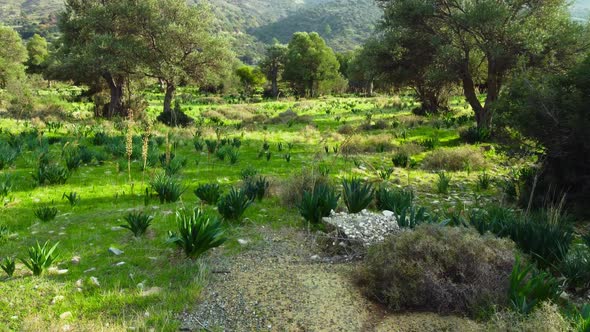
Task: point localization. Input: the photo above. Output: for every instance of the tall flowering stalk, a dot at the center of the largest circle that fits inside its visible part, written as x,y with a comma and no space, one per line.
129,142
144,149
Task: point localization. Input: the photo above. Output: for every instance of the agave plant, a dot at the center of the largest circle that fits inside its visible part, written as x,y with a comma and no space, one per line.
72,197
394,199
168,188
137,223
411,216
357,194
233,205
197,232
443,183
530,287
45,213
208,193
256,187
8,265
318,203
40,258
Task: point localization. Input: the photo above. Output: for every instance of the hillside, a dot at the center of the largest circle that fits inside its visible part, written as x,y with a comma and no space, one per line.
248,23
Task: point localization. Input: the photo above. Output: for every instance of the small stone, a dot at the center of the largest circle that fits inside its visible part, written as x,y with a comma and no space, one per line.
64,271
75,260
94,281
387,213
79,283
65,315
115,251
243,242
120,264
315,258
151,291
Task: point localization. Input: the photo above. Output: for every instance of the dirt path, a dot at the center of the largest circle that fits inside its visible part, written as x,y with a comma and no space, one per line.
276,285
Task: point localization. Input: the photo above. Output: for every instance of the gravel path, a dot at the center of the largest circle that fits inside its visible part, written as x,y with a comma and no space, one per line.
279,284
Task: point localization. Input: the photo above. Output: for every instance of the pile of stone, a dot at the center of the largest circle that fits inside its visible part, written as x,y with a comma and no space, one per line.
365,228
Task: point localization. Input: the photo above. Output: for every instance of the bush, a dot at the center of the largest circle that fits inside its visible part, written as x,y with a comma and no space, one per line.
45,213
443,183
318,203
7,156
394,199
8,265
401,159
357,194
576,267
454,159
6,185
197,232
546,317
208,193
168,188
474,135
529,287
553,111
440,269
293,189
546,241
40,258
50,174
412,216
256,187
137,223
233,205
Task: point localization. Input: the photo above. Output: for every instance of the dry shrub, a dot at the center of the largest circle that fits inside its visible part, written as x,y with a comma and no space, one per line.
439,269
455,159
213,115
364,144
410,120
545,318
289,116
291,190
239,112
410,148
346,130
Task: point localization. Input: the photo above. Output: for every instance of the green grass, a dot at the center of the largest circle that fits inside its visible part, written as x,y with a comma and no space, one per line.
88,229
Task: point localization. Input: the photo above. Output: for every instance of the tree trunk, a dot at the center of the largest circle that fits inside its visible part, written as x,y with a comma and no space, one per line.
481,113
370,85
116,88
169,95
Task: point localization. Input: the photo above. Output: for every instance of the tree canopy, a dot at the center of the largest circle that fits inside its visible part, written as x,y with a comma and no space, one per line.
309,61
482,41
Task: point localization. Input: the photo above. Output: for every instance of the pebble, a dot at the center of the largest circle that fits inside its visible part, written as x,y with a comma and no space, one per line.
120,264
75,260
243,242
115,251
65,315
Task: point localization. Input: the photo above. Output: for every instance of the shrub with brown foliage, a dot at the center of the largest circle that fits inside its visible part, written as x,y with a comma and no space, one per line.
292,189
439,269
455,159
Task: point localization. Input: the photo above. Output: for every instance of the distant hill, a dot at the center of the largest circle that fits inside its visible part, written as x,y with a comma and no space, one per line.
250,24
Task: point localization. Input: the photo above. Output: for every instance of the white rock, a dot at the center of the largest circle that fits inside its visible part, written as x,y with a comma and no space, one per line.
94,281
75,260
243,242
64,271
115,251
65,315
387,213
120,264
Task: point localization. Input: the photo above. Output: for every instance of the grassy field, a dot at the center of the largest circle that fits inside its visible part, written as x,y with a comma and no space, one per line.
151,282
